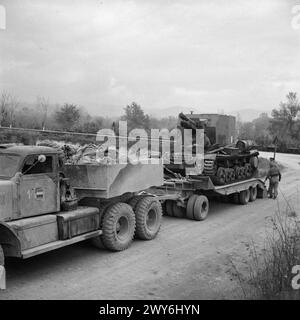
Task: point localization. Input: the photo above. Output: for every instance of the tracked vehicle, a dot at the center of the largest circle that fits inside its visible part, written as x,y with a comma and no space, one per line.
224,161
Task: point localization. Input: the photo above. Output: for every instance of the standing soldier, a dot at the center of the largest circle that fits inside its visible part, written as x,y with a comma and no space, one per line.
274,177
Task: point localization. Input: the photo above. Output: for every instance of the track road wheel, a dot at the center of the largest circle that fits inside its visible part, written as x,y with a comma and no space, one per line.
221,175
178,211
190,206
248,170
253,194
118,227
227,175
236,172
244,196
148,215
201,208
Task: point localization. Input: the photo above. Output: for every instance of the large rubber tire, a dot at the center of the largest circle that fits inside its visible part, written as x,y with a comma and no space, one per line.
97,241
190,206
178,211
253,194
232,175
133,201
244,196
118,227
221,175
148,214
201,208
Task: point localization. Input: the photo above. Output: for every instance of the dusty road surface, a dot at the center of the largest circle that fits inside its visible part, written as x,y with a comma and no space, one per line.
188,259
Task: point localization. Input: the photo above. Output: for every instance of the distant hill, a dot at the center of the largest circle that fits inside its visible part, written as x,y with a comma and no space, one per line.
248,114
245,114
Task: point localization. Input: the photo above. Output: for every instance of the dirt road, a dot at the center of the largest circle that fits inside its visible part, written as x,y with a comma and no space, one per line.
188,259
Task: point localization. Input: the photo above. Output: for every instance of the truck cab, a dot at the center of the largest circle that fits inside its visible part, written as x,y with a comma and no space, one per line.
29,182
31,220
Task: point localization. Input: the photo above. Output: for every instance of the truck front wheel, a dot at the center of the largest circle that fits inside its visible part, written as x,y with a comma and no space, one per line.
148,213
118,227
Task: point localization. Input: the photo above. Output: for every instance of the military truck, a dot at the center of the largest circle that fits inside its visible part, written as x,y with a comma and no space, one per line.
40,210
46,204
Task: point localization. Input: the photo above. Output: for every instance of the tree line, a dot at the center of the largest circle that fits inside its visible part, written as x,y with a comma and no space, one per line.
282,127
68,117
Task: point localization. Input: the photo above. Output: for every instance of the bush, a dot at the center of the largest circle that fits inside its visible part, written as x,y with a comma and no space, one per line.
270,270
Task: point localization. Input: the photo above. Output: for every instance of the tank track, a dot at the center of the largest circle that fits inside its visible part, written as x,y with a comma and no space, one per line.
234,171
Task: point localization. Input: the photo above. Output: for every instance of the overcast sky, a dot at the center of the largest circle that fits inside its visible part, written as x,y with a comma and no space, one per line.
209,55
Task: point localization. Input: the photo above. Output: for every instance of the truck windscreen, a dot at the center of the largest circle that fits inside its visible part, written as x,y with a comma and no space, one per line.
8,165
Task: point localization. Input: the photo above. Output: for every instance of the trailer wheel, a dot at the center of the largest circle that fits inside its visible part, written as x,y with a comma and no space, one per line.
201,208
178,211
244,196
118,227
190,206
148,215
253,194
169,208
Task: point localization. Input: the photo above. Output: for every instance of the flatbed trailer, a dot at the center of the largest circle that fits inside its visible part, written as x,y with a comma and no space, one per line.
189,197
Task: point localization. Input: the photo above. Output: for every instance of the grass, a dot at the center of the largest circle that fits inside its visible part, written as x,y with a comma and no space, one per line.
269,272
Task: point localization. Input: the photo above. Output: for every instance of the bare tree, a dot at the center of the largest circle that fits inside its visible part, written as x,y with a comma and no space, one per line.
43,105
4,108
13,105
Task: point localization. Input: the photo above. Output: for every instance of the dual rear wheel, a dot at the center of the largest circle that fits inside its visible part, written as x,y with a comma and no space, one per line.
245,196
141,217
197,208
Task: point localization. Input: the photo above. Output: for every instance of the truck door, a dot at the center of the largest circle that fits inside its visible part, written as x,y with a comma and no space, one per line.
38,189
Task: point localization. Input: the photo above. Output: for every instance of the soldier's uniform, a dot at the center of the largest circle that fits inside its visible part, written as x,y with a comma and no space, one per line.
274,177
